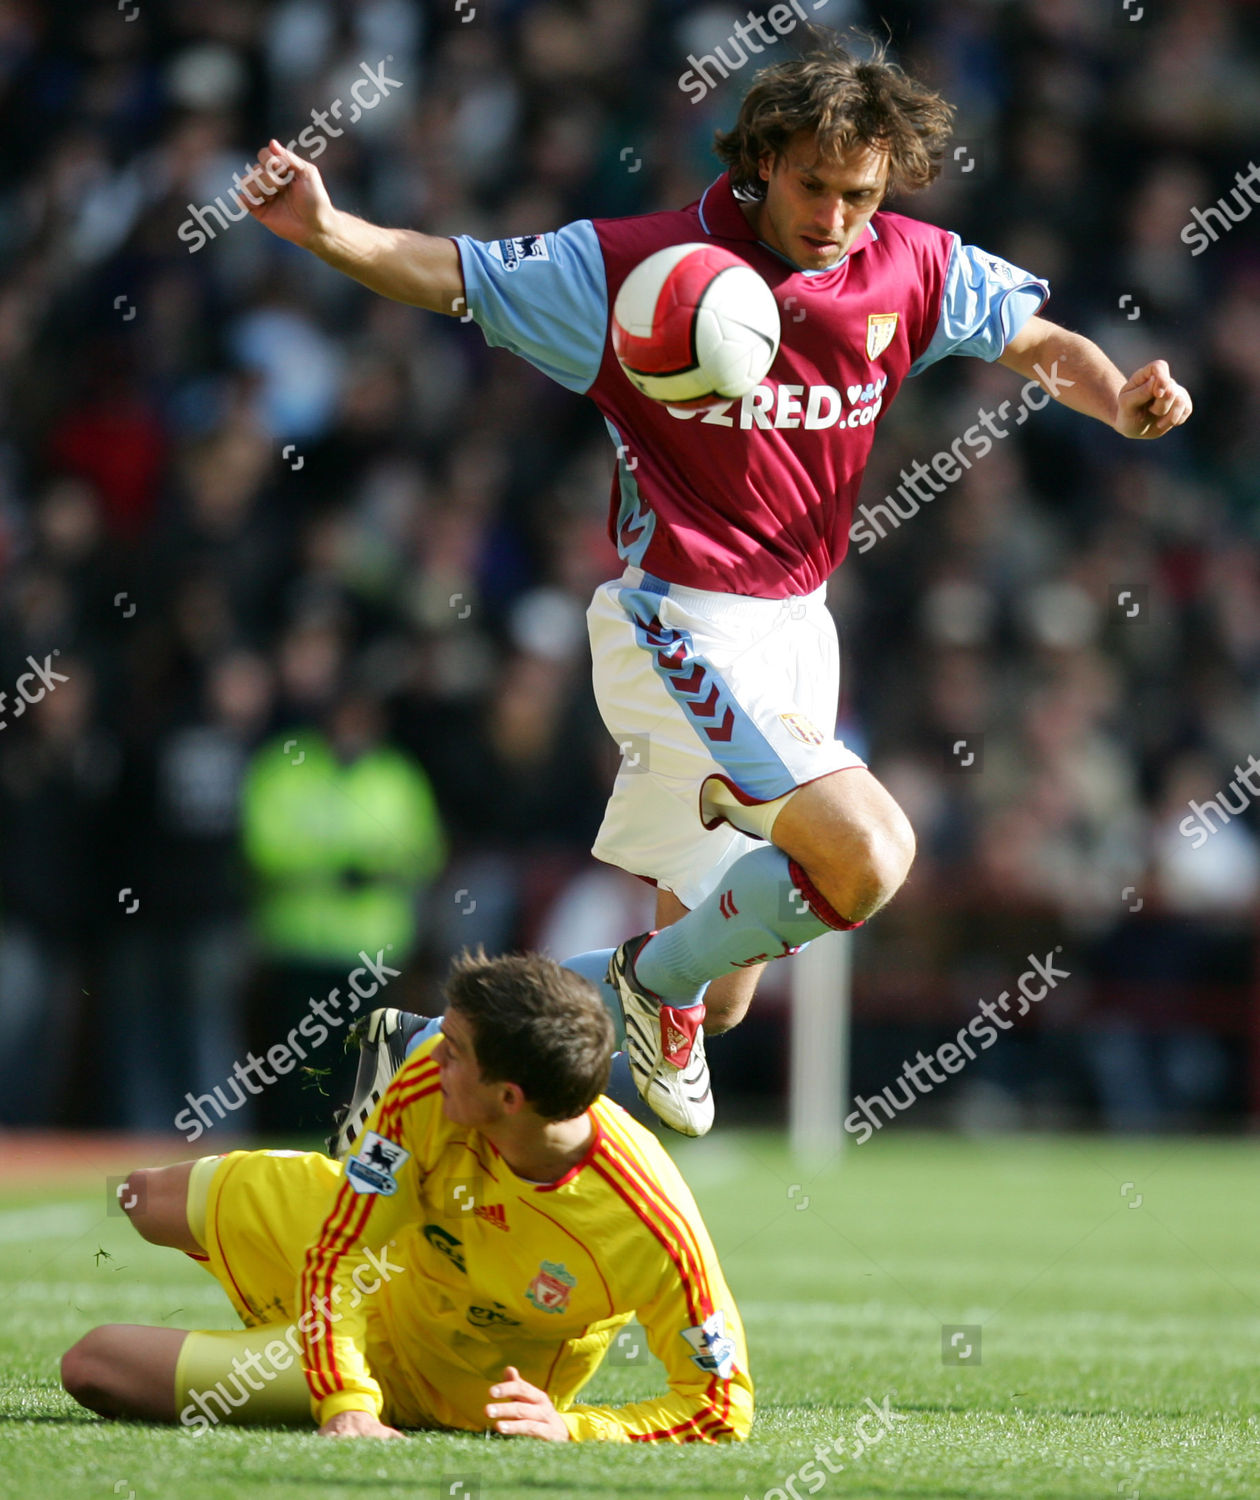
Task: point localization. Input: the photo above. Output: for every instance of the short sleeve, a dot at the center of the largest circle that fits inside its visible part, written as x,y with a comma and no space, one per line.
986,301
544,297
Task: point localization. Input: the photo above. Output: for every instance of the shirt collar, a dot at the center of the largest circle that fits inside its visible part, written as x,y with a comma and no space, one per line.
720,213
721,216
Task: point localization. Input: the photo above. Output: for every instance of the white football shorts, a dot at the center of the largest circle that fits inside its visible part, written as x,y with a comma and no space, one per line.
721,706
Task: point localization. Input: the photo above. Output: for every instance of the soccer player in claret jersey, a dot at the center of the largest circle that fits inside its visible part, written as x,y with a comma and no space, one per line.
495,1227
714,654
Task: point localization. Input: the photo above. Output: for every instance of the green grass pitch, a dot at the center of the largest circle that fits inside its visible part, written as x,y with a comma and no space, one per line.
1115,1284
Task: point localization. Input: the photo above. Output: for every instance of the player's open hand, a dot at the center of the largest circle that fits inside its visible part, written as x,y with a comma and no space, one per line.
287,195
1151,403
357,1424
522,1410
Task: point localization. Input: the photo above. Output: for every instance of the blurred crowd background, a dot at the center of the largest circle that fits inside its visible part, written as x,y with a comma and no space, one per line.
304,571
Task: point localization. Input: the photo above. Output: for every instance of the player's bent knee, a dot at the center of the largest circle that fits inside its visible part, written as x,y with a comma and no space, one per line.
155,1199
86,1371
888,861
871,868
852,840
138,1198
894,850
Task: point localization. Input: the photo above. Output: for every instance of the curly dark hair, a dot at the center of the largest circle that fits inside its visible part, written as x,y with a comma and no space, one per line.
846,101
537,1025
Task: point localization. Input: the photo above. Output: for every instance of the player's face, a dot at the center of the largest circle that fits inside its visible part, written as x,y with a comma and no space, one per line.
815,207
466,1098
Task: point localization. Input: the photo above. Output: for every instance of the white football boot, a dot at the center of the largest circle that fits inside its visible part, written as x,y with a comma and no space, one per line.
665,1046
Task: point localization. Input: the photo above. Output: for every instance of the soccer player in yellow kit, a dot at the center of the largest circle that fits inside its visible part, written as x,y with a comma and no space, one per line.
468,1266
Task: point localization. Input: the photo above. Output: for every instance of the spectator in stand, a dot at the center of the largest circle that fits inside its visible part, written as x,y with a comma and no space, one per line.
343,839
179,968
57,776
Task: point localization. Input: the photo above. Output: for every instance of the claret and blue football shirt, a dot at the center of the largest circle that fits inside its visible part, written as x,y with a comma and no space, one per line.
755,496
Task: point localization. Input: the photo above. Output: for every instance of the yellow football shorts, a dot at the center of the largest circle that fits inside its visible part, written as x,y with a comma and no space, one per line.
255,1213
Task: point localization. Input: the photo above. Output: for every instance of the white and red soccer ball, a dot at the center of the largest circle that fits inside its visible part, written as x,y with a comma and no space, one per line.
693,325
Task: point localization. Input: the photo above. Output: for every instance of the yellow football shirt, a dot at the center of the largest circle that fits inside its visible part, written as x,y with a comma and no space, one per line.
461,1268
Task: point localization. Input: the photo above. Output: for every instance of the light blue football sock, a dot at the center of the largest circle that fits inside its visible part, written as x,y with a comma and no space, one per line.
594,966
423,1035
766,907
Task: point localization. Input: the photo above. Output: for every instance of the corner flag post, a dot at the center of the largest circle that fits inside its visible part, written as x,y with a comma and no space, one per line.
819,1068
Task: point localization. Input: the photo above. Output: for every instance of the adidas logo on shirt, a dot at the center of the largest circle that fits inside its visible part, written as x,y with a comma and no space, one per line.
492,1213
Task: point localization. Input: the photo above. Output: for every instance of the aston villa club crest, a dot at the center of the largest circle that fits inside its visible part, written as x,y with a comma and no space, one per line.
880,328
549,1291
803,728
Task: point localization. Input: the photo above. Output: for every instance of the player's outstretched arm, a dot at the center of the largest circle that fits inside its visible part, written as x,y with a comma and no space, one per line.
287,195
1075,371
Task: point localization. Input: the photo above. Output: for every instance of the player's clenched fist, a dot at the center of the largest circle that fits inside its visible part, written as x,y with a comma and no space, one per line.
287,195
522,1410
1151,402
